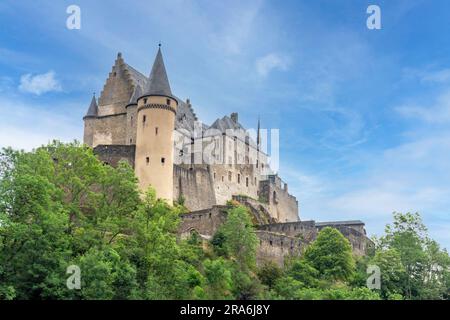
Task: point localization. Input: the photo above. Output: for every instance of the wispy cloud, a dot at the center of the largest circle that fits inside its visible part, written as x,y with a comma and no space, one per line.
40,83
270,62
437,76
28,125
437,111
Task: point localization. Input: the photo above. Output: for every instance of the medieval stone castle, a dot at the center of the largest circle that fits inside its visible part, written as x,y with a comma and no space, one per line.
139,120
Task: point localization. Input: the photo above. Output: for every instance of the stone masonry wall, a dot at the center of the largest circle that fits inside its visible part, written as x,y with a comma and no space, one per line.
110,130
272,246
112,154
283,206
276,247
305,230
195,185
205,222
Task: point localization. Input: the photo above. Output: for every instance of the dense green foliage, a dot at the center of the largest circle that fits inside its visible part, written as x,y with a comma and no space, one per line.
60,206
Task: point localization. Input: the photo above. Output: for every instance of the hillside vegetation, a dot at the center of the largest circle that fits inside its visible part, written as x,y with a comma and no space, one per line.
60,207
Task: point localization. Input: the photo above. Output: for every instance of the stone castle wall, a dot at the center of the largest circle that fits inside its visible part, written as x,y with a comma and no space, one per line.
232,180
276,247
112,154
305,230
108,130
205,222
284,206
195,185
272,246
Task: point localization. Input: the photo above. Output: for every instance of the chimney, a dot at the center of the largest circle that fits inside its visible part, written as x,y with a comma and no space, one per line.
235,117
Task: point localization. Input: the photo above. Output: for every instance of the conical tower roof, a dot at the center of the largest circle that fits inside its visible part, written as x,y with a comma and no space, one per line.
158,83
93,108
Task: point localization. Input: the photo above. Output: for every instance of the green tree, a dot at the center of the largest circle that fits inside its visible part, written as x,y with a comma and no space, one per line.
269,273
241,240
219,282
392,271
331,255
426,265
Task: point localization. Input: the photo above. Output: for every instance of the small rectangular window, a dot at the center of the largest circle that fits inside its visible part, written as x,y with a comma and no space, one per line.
239,178
246,182
168,102
156,131
163,160
147,160
144,118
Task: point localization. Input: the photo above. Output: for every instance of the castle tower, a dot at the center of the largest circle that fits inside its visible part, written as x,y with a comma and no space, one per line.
89,122
156,110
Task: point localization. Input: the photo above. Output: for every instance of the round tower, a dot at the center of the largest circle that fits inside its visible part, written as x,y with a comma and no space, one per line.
156,110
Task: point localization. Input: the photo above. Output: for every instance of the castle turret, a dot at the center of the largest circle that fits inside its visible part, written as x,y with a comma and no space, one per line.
89,122
132,114
156,110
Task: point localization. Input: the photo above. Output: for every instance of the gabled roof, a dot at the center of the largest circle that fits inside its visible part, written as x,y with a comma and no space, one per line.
93,108
226,123
158,83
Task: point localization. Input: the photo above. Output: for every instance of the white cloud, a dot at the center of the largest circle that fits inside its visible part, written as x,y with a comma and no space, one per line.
439,76
27,126
272,61
437,112
40,83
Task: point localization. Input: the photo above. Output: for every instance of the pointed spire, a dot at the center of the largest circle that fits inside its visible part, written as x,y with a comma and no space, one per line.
93,108
158,82
137,93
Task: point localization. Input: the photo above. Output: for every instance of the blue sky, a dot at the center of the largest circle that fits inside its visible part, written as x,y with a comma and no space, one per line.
364,115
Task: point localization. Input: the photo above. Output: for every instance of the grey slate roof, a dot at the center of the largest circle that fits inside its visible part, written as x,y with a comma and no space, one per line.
137,77
158,83
93,108
226,123
136,94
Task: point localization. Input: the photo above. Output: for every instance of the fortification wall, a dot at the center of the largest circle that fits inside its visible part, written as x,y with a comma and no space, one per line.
282,205
109,130
112,154
195,185
276,247
305,230
260,211
205,222
232,180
